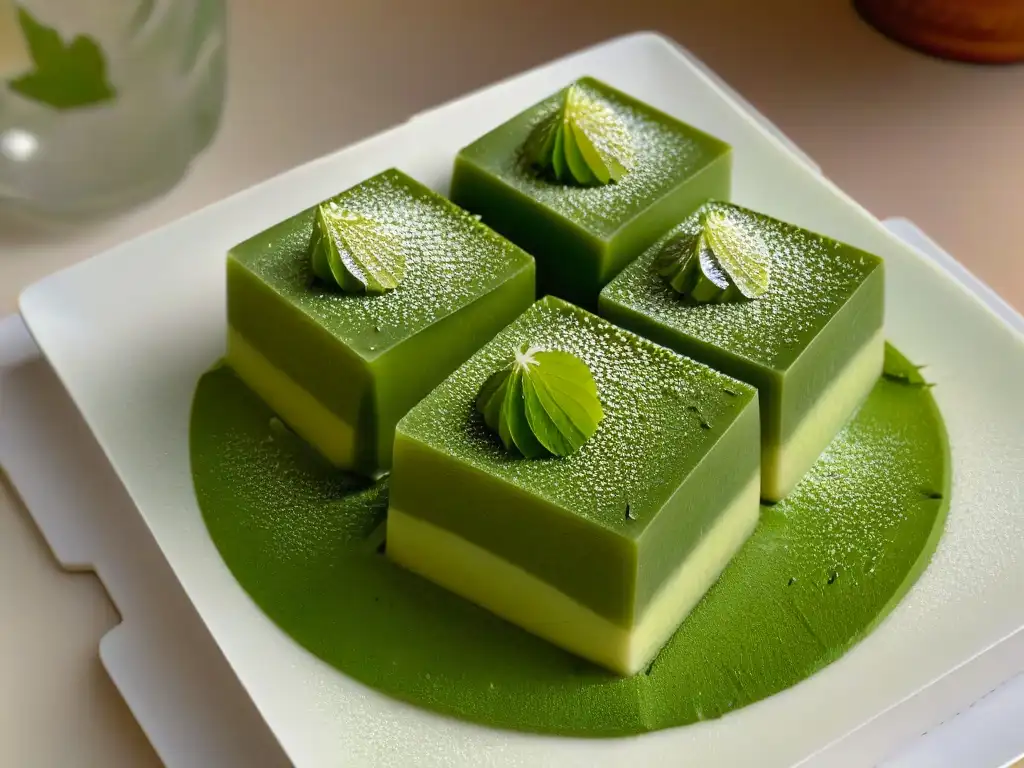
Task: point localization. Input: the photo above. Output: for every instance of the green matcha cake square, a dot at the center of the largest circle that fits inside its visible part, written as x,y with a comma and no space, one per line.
582,234
603,551
342,366
812,344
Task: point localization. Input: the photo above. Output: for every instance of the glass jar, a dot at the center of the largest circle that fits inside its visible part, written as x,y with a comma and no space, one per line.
104,104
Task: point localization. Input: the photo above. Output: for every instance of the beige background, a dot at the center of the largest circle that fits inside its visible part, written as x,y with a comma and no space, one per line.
941,143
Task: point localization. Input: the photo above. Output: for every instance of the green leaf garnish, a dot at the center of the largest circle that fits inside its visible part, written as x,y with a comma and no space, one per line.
354,252
543,403
65,76
582,142
898,369
723,262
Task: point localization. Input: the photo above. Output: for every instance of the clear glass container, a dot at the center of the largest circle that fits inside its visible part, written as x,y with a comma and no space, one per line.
105,103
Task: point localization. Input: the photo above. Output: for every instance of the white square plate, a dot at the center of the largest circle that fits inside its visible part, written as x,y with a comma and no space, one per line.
130,331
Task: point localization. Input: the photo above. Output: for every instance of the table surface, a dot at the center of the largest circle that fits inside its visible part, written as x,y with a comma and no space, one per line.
904,134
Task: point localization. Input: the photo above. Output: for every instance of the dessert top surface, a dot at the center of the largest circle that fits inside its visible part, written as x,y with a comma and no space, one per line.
811,278
666,151
451,260
663,412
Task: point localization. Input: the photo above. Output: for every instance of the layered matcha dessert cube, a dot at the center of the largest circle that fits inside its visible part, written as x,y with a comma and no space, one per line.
811,342
585,180
603,550
341,335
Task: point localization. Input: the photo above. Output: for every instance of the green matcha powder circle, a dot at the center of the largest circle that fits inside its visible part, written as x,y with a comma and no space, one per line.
822,569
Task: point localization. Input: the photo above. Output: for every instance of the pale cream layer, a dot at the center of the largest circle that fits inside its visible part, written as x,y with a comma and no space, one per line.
784,465
525,600
317,425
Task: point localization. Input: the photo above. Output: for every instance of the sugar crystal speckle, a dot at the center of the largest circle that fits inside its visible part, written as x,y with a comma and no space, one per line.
664,154
451,260
811,280
641,450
